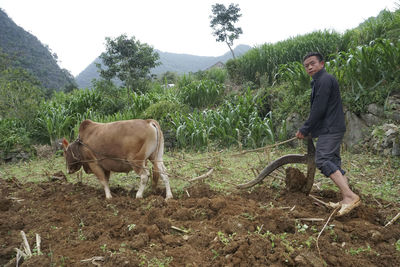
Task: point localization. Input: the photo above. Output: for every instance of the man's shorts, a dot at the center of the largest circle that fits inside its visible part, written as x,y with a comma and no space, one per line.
327,153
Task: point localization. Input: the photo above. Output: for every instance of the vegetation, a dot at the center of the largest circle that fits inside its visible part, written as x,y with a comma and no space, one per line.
244,105
222,22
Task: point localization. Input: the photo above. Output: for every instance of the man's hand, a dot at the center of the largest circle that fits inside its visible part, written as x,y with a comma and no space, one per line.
299,135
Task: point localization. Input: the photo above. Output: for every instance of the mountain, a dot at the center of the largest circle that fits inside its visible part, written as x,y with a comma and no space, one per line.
29,53
179,63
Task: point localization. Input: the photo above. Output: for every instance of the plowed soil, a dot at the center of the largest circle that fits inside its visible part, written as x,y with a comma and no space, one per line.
258,227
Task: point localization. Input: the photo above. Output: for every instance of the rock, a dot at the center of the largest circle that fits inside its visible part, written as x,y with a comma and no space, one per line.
371,119
293,123
395,116
393,107
308,259
376,110
386,139
356,129
15,156
396,148
375,236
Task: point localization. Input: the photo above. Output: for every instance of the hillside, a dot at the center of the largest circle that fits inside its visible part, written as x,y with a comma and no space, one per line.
29,53
179,63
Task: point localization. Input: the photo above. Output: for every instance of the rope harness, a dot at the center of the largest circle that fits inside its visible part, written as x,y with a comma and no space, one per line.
77,154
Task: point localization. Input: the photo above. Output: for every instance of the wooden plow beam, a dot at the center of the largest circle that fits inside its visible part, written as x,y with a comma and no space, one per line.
308,159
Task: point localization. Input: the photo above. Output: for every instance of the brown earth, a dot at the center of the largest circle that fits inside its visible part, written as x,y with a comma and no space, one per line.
258,227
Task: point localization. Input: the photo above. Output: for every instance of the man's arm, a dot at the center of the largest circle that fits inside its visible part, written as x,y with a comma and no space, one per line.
318,107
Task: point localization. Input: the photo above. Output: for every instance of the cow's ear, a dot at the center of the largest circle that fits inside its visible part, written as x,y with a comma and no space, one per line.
65,143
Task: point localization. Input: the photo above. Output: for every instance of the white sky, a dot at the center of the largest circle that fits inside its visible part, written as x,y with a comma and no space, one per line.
76,29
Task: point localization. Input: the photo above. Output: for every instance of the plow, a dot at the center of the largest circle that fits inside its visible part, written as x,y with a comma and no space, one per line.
308,158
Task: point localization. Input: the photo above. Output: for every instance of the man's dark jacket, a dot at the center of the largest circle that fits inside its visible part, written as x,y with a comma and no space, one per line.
326,115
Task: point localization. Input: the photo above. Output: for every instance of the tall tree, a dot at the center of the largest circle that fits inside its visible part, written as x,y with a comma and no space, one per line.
129,60
222,23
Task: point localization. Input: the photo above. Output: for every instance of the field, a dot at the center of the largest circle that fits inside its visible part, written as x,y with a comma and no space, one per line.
208,223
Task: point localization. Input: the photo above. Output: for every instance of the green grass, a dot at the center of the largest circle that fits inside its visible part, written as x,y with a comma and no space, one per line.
370,174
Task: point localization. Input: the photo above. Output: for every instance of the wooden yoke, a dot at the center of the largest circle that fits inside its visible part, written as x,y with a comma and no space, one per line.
308,159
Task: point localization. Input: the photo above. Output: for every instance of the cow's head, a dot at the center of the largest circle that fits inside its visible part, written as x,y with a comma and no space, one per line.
72,156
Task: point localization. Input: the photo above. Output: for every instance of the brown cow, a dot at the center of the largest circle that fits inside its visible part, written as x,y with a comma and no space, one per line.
119,146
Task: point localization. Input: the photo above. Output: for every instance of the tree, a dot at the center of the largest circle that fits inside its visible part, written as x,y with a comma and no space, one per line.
128,60
222,23
169,77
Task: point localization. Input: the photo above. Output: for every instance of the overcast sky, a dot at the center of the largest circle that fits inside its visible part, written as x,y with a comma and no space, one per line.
76,29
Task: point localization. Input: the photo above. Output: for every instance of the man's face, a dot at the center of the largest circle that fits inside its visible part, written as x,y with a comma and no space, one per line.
313,65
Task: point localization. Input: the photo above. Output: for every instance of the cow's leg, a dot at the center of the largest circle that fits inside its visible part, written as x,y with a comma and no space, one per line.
160,170
156,177
106,184
103,177
144,177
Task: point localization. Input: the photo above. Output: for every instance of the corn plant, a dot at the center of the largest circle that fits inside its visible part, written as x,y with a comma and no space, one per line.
385,25
367,72
295,75
56,120
264,61
236,121
200,94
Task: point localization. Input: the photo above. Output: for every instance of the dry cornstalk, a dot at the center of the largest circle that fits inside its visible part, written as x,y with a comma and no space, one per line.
202,176
179,229
393,220
94,259
15,199
320,201
38,241
25,244
20,254
254,172
323,228
311,219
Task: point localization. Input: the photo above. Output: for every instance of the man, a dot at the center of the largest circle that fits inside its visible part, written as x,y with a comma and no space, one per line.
326,121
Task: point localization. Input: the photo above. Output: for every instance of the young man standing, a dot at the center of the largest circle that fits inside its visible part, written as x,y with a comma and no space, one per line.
326,121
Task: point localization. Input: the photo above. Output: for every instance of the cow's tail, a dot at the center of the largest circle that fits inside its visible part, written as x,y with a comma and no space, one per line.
158,153
158,164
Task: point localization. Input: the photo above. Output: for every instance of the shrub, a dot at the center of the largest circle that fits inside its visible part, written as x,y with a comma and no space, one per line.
13,136
161,111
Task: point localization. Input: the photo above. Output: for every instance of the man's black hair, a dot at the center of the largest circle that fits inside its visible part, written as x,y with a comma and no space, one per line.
311,54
